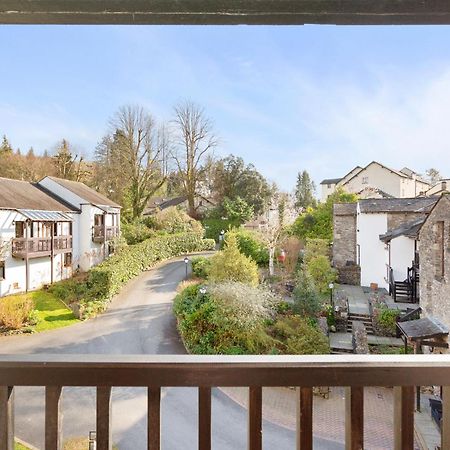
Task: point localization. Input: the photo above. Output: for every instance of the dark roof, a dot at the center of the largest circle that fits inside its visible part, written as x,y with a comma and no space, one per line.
160,203
427,327
397,205
376,190
410,229
85,192
344,209
16,194
331,181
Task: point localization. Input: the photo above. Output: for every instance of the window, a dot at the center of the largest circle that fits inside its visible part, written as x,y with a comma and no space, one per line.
67,259
329,186
20,229
98,219
2,270
439,249
365,180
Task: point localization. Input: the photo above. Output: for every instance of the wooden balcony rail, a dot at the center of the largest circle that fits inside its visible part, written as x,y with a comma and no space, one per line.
154,372
40,246
98,233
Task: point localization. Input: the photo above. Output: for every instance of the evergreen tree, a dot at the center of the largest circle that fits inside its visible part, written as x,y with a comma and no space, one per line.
5,146
304,191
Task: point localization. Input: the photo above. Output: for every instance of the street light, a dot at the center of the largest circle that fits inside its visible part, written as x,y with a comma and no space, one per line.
186,263
202,290
221,237
331,286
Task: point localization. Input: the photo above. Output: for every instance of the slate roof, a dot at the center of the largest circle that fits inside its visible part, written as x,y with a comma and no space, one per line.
397,205
344,209
331,181
410,229
16,194
427,327
86,193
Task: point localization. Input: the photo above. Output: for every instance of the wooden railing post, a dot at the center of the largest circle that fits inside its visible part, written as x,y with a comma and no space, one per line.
154,418
255,418
445,430
354,418
53,430
104,438
403,417
204,418
6,418
304,418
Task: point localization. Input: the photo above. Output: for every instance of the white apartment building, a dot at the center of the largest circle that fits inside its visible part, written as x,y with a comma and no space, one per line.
50,229
377,181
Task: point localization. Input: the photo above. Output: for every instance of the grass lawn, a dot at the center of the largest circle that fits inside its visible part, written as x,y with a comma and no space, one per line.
18,446
51,312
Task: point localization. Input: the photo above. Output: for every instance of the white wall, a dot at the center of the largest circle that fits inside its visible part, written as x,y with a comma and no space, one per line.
374,254
402,256
377,177
327,189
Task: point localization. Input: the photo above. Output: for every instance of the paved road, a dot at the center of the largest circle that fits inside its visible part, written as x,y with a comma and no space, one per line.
139,321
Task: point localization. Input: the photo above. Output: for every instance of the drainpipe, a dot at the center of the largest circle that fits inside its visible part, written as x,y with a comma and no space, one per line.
104,234
26,258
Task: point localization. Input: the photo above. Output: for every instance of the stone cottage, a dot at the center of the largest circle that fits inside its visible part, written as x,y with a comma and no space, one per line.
434,256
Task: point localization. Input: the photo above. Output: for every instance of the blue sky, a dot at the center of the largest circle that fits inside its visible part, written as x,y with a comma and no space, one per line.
320,98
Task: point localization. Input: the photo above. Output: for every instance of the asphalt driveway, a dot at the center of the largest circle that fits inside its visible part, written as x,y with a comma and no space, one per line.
139,321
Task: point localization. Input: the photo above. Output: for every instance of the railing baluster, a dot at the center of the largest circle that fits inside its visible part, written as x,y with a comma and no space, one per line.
6,418
154,418
52,418
104,440
445,431
304,418
204,418
354,418
255,418
404,417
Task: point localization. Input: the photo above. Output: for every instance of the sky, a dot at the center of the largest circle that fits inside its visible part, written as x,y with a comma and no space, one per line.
287,99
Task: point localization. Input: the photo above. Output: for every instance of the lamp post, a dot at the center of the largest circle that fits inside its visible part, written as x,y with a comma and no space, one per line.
221,237
186,264
202,290
331,286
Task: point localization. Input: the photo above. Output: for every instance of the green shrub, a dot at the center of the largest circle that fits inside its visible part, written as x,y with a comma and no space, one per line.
135,232
251,245
70,290
16,311
316,247
231,265
174,220
200,266
213,226
306,297
297,336
321,272
385,321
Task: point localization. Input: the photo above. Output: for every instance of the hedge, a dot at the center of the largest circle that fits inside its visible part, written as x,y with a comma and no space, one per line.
106,279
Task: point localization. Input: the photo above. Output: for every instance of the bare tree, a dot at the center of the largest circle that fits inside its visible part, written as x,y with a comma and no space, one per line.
5,246
195,139
67,164
131,156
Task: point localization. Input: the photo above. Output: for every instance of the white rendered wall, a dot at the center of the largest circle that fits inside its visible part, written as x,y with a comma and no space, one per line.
326,191
374,254
402,255
377,177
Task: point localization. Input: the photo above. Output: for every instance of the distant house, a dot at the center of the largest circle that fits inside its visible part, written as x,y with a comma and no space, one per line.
380,237
377,181
50,229
156,204
439,188
434,259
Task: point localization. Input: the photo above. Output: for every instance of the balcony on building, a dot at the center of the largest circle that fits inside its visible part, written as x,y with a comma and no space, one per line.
42,233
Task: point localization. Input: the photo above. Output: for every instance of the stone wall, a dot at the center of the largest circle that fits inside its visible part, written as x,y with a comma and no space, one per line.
435,288
350,274
395,220
344,235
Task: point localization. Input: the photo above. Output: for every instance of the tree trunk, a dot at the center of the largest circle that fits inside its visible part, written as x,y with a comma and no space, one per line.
271,261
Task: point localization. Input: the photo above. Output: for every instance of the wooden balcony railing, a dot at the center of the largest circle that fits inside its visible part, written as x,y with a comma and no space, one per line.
154,372
40,246
98,233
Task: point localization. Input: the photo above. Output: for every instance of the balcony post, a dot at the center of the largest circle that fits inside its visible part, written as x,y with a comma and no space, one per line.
6,418
255,418
154,418
354,418
403,417
53,429
304,418
204,418
104,438
445,431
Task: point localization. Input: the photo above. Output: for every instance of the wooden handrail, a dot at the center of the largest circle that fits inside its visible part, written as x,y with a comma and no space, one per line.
154,372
